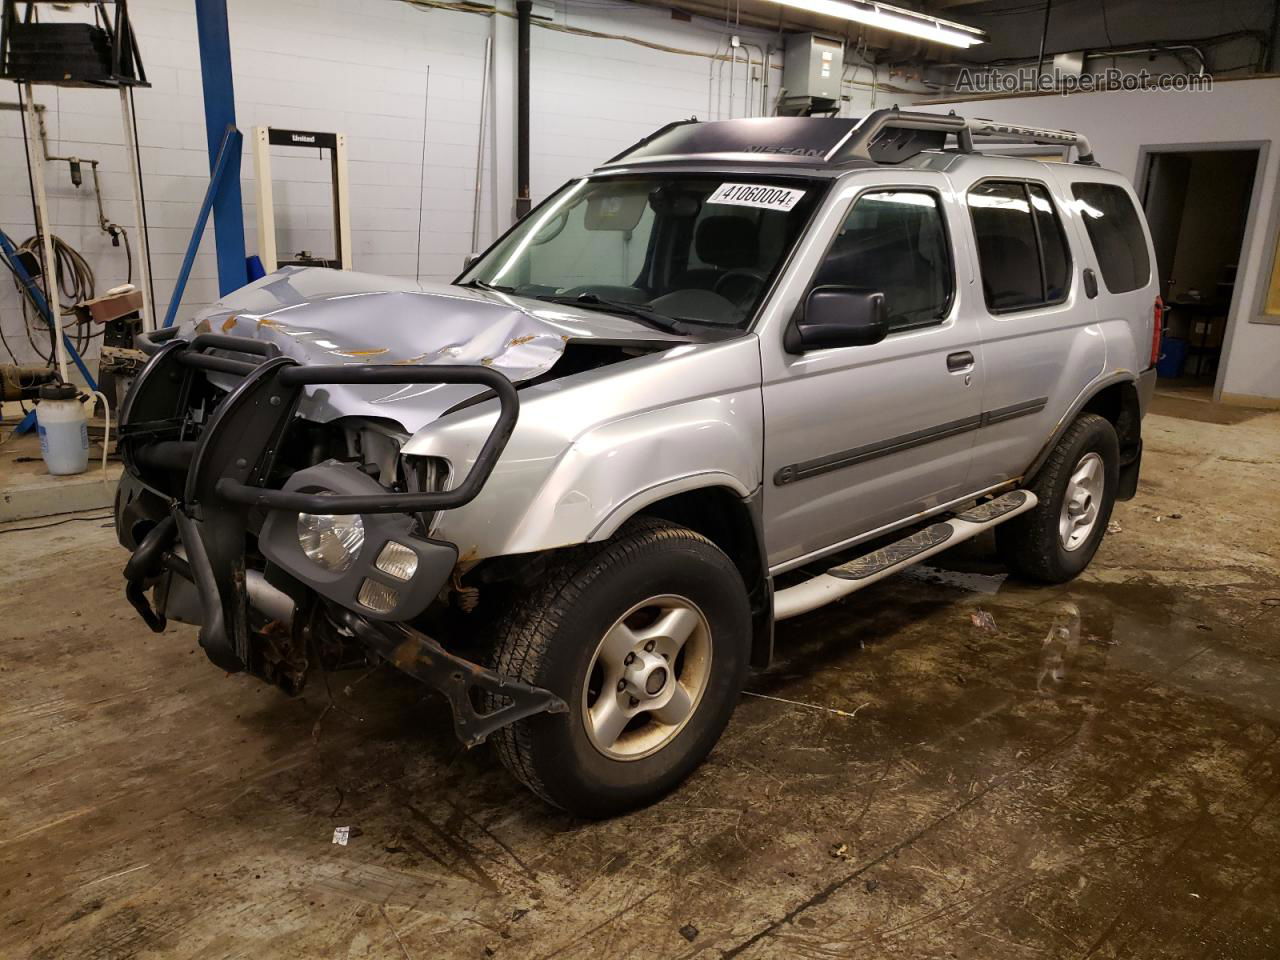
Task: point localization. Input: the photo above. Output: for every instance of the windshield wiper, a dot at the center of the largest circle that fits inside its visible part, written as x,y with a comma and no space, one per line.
640,311
481,285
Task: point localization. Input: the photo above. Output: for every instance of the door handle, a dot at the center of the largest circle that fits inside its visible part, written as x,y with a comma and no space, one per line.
960,362
1090,283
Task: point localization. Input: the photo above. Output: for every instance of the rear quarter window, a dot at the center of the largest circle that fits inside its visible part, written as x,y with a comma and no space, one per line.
1023,256
1116,235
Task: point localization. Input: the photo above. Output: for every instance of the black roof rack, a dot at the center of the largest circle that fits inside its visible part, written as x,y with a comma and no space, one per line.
883,136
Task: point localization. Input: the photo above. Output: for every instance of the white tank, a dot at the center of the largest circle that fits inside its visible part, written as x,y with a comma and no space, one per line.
64,432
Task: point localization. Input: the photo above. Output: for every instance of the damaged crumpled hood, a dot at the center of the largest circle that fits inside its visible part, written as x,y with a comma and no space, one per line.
320,316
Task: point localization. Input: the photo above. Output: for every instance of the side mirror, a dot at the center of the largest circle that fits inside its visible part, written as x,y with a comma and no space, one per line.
469,259
838,317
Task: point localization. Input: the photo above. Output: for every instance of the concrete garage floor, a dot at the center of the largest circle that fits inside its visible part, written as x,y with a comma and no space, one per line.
1088,771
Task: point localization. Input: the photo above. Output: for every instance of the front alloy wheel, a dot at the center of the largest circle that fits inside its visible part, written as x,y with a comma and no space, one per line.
646,637
647,677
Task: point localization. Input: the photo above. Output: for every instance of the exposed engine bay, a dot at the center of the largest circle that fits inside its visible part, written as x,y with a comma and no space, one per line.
299,540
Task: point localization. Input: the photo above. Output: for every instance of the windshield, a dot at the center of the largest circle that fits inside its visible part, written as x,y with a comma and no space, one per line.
698,248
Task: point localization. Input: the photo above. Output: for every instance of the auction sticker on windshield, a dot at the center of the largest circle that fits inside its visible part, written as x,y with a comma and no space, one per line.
756,195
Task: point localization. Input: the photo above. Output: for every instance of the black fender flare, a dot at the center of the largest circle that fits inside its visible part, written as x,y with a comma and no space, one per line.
1086,397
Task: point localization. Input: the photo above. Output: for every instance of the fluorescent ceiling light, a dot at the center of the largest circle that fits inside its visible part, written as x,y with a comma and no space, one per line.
894,19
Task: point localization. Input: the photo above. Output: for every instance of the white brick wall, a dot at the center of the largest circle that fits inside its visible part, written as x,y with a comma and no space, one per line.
360,67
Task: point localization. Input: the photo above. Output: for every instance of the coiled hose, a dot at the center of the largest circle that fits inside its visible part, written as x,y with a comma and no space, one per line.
75,281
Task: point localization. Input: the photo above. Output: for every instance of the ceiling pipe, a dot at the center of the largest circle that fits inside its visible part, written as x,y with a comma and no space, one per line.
1044,35
1269,58
1167,48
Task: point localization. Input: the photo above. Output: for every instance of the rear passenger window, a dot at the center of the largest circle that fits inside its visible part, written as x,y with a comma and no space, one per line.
894,241
1057,260
1116,235
1022,250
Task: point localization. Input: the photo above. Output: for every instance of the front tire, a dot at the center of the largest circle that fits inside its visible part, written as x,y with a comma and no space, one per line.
1054,542
646,638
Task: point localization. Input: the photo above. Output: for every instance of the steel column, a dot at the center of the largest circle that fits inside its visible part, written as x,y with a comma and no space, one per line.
220,113
230,147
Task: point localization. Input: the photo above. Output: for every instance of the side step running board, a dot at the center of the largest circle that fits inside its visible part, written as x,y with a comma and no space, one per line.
874,566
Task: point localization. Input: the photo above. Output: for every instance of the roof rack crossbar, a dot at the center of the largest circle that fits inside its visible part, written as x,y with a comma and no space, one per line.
857,144
1026,134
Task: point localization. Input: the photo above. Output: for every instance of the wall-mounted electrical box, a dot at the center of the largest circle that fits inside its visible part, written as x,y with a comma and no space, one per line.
811,70
1069,64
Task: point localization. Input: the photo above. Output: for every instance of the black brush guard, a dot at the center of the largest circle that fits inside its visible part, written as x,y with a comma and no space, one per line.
211,476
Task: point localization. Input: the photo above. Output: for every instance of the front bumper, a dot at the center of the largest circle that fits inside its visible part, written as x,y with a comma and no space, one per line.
198,489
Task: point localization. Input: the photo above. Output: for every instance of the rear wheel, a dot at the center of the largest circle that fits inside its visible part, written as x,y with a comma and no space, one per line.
646,639
1076,487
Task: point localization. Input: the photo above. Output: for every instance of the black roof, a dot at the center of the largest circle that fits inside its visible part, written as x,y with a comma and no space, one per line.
798,141
884,136
785,139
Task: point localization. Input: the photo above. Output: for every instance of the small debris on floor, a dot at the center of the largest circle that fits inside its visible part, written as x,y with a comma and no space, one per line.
341,835
812,706
1175,516
839,851
1114,527
872,886
689,932
1271,602
983,620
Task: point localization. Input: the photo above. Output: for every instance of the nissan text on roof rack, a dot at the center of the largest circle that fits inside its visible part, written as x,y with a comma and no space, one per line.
743,369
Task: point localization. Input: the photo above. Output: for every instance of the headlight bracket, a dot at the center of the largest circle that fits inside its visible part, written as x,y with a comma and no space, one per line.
278,542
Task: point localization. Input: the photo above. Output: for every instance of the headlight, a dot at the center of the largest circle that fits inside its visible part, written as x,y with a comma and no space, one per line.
331,541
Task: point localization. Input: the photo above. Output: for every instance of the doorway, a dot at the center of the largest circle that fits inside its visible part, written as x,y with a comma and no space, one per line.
1198,199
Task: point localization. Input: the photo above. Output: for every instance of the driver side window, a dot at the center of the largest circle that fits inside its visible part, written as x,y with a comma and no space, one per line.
894,241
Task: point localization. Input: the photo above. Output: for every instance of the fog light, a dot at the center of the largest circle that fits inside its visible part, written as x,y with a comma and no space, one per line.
331,541
398,561
378,596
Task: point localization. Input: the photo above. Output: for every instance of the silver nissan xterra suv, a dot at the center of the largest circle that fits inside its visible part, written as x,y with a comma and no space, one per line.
743,369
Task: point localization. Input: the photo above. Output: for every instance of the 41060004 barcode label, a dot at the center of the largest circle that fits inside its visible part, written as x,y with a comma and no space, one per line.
756,195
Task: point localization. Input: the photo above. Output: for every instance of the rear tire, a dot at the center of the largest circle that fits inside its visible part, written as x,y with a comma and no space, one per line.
672,602
1055,541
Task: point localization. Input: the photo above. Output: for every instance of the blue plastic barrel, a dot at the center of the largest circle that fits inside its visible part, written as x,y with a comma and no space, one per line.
1173,357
